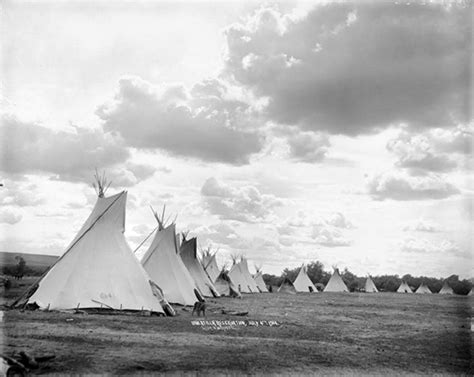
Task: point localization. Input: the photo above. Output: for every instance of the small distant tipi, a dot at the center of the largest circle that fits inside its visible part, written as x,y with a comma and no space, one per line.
370,285
423,289
286,287
302,282
335,283
404,288
209,263
446,289
225,285
262,287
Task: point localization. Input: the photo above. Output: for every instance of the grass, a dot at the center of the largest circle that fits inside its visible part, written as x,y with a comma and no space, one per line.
322,333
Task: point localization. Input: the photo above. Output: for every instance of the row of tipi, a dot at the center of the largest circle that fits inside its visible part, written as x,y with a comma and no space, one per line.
99,269
303,283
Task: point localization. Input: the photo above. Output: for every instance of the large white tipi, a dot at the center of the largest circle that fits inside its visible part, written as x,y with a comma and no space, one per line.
404,288
98,269
166,268
446,289
423,288
188,253
370,285
335,283
258,278
302,282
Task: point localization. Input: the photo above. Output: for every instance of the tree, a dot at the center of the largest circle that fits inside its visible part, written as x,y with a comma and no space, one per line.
316,273
290,274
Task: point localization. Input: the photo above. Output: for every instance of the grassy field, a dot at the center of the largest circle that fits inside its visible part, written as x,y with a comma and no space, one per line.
320,333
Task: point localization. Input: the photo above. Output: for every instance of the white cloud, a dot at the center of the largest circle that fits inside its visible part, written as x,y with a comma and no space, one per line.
308,146
329,236
244,203
436,150
359,67
397,185
10,216
21,194
67,155
422,225
205,124
423,246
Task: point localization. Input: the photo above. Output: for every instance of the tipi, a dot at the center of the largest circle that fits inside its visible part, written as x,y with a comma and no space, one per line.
236,276
423,288
258,278
98,269
370,285
166,268
286,287
188,253
209,263
446,289
404,288
335,283
247,276
225,286
471,292
302,282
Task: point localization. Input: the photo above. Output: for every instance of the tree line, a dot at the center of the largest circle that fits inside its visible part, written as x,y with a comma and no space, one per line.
384,283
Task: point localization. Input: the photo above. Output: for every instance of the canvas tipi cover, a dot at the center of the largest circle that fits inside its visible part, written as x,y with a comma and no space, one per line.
167,270
188,253
236,276
404,288
209,263
225,286
370,286
423,289
98,269
446,289
248,277
335,283
302,282
286,287
258,278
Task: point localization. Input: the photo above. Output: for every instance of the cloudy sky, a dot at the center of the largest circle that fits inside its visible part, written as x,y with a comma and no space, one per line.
286,132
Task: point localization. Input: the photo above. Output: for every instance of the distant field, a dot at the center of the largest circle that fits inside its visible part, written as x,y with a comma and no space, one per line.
35,263
322,333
